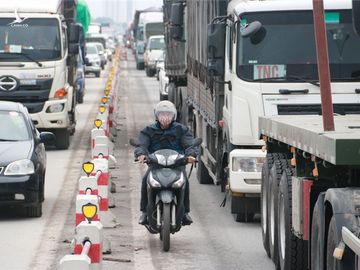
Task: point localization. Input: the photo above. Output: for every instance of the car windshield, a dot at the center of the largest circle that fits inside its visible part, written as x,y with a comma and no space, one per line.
157,44
284,47
91,50
13,126
38,39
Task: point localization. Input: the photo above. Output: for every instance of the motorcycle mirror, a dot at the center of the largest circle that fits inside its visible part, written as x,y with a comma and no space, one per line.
135,142
197,141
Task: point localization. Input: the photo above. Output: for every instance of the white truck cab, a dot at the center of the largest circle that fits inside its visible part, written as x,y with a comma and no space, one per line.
274,72
34,64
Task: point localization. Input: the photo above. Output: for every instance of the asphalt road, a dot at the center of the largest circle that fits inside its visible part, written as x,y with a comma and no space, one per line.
213,241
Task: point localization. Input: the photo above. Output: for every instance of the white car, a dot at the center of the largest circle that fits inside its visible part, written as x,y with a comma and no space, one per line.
163,81
153,52
92,60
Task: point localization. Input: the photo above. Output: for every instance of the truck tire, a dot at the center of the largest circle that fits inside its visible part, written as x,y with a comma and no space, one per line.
34,211
274,180
165,229
244,217
265,173
163,97
62,138
172,92
201,170
318,235
141,66
80,97
332,243
293,251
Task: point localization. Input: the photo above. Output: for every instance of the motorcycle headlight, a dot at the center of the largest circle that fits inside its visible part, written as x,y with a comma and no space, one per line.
153,182
247,164
171,159
161,159
20,167
179,183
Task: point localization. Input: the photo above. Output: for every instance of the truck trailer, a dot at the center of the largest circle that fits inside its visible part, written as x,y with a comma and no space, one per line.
311,187
38,62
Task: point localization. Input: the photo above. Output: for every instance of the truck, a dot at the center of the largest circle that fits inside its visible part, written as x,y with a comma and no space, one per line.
222,79
38,63
311,188
148,22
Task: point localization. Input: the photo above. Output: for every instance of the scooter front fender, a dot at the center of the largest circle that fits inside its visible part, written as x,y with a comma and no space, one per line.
166,196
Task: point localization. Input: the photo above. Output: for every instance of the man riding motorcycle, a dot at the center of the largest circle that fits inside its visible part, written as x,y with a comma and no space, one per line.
165,133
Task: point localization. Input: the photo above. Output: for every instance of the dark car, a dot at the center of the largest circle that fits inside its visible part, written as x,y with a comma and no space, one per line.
22,159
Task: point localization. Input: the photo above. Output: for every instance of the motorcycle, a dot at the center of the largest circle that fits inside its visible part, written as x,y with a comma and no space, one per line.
166,189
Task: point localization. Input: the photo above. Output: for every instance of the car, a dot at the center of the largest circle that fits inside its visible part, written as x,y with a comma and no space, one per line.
92,60
102,53
153,52
80,78
22,159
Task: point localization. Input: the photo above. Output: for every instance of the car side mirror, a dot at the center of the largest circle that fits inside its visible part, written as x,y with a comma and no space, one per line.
47,137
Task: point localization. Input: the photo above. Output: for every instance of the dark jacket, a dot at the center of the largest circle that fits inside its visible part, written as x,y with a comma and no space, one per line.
177,137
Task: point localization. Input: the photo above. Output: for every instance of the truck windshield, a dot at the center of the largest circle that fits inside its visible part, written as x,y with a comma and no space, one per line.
285,47
157,44
37,38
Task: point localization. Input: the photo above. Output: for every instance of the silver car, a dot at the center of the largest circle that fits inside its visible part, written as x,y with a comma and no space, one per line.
92,60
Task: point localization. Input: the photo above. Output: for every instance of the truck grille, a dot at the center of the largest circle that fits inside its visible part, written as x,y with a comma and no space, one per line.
31,96
342,109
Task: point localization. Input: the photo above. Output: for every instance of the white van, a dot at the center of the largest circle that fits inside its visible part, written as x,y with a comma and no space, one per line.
153,53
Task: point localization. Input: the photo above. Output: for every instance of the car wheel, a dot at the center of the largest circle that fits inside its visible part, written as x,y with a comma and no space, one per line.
34,211
97,74
62,138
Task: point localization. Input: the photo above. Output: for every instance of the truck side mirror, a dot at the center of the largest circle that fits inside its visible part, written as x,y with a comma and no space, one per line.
177,14
216,40
73,48
215,67
176,32
74,32
356,16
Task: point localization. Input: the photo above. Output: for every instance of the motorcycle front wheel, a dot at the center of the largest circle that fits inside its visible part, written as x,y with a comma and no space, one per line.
165,228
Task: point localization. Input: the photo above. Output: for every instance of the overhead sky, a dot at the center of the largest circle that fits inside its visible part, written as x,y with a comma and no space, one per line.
96,6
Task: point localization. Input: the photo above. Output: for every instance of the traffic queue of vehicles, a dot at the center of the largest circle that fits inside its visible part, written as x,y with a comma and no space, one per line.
42,78
244,60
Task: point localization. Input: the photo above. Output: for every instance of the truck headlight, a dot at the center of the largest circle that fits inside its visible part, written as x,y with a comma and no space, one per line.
56,108
20,167
247,164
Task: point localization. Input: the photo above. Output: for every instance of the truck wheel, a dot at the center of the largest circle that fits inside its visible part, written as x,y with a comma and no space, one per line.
141,66
34,211
292,250
62,138
274,180
201,170
166,227
332,242
317,234
244,217
80,97
269,161
171,91
163,97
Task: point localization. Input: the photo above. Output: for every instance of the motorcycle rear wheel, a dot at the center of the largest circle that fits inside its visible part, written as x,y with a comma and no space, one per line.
165,229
